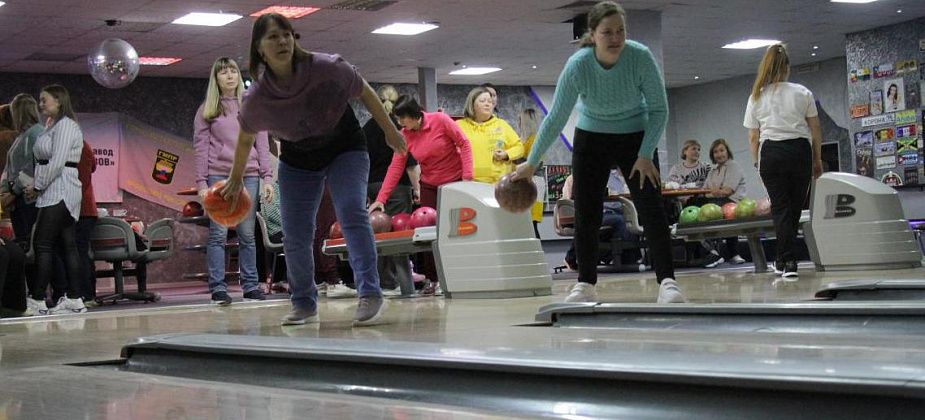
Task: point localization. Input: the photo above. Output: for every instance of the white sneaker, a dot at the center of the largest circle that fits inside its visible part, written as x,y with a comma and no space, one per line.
737,260
322,289
391,292
38,307
582,292
68,306
670,292
340,290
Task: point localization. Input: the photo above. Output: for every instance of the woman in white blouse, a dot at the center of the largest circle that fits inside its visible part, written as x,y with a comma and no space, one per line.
56,189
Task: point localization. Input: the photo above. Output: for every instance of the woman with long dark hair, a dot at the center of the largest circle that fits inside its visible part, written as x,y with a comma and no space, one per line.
302,98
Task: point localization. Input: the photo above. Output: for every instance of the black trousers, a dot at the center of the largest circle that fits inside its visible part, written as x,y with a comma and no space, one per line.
12,281
55,226
593,155
786,169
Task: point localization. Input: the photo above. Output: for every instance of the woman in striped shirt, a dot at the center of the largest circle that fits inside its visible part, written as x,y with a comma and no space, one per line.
57,191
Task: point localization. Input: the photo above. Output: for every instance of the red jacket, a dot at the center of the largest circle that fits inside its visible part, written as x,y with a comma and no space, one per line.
85,169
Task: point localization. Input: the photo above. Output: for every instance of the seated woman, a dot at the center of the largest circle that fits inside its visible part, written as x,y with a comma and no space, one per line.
726,182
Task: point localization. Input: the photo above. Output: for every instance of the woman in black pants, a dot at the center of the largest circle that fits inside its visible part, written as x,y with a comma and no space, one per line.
781,118
623,114
57,192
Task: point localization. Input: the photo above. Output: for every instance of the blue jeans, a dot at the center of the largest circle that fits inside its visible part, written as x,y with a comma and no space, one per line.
299,195
247,249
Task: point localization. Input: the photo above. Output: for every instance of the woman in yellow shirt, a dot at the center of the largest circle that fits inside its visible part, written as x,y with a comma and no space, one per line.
495,145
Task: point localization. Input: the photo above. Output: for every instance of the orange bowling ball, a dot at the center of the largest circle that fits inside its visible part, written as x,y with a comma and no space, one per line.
220,211
515,196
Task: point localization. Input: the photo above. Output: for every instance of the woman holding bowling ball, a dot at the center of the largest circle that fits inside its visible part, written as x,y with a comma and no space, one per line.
443,154
215,129
302,97
623,115
786,144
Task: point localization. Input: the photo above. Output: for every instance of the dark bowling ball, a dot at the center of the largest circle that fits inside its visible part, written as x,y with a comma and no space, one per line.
192,209
335,232
380,222
423,216
401,221
515,196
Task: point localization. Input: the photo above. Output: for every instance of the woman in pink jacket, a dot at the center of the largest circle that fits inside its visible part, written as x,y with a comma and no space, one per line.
215,138
442,152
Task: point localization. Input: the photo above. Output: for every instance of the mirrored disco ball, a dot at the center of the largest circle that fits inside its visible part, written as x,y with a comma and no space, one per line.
113,63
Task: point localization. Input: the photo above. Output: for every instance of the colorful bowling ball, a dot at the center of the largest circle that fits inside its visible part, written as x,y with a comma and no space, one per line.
515,196
763,208
335,232
745,208
401,221
220,211
729,211
423,216
192,209
690,214
710,212
380,222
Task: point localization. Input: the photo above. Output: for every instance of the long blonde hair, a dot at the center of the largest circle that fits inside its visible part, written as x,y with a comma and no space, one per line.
774,67
212,108
388,95
598,13
529,122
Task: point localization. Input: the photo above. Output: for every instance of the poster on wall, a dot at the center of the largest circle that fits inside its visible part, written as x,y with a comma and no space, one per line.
905,117
912,176
876,102
885,148
886,162
859,74
907,145
906,66
885,134
883,70
905,131
892,179
895,96
555,179
909,159
877,120
858,111
863,162
863,139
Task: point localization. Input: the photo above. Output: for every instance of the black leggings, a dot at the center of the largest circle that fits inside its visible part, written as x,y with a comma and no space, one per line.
593,155
12,282
55,226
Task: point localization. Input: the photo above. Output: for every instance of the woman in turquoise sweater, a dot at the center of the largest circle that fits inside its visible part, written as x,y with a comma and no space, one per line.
621,116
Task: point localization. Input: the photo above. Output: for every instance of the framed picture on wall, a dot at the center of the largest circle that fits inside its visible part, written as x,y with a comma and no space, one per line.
876,102
895,95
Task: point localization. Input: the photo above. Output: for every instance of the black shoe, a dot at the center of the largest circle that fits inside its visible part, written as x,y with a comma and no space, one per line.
713,260
779,267
790,270
255,294
221,298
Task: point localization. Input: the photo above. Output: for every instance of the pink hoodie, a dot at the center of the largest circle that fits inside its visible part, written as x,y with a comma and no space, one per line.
215,143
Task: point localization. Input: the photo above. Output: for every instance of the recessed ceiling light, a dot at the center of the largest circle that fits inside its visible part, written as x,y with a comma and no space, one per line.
534,67
899,10
815,47
749,44
290,12
696,77
853,1
405,28
157,61
813,54
2,3
474,71
207,19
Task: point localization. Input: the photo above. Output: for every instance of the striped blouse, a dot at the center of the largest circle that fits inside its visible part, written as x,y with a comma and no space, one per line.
61,143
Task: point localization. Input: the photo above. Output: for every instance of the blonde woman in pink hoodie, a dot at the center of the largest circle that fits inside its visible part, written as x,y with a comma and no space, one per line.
215,138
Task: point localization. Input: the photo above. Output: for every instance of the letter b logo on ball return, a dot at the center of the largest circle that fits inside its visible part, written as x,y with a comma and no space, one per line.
839,205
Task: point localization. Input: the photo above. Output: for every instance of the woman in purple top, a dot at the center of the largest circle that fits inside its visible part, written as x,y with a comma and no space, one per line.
302,98
215,134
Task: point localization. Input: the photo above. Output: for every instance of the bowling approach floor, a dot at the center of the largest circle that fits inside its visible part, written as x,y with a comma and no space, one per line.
39,378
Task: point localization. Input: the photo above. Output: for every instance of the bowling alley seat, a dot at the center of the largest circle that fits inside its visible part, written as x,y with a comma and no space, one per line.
113,240
276,248
564,223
